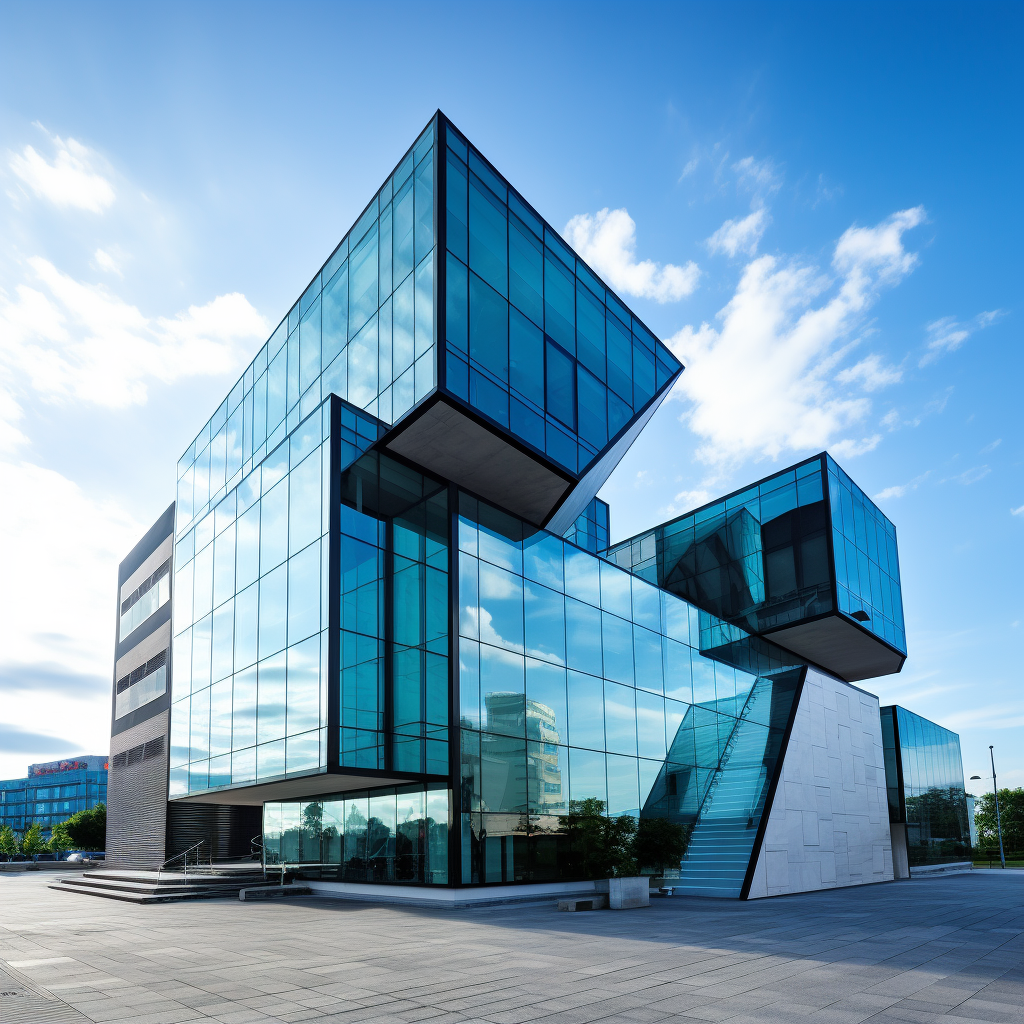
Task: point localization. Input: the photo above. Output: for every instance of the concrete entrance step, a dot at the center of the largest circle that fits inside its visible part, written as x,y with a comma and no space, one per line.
151,887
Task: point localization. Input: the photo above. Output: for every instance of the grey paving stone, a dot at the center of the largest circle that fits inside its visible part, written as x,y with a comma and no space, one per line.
949,950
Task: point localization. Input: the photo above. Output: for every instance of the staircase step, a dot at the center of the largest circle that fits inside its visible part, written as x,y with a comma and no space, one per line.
151,887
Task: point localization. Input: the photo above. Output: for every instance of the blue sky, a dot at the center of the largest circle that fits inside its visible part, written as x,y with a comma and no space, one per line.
817,205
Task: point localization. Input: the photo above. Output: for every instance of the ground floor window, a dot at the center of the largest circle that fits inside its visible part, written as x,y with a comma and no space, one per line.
392,835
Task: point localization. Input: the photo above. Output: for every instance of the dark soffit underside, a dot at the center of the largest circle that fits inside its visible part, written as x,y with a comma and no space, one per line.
447,442
293,789
839,647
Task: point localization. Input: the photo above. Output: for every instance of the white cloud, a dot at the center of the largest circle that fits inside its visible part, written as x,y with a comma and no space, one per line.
992,716
740,235
879,249
891,420
686,501
11,438
825,192
758,384
758,175
607,240
104,261
59,548
850,449
970,476
899,490
991,446
891,492
83,341
947,335
1019,511
71,180
691,166
871,374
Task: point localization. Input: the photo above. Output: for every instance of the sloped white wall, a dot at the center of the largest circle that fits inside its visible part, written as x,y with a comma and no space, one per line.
829,822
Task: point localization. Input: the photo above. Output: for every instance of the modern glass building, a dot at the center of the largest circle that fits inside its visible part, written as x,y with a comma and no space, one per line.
924,779
803,557
398,634
52,792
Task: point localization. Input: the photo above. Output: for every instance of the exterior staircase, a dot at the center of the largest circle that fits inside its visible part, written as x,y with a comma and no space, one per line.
146,887
720,846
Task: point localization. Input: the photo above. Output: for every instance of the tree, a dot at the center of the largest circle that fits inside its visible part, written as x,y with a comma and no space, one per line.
87,829
1011,814
32,840
59,838
661,843
601,847
8,841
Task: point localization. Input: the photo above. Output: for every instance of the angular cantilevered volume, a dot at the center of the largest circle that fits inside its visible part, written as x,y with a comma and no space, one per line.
803,557
544,376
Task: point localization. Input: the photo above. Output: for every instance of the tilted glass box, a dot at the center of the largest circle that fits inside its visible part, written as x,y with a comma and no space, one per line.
803,557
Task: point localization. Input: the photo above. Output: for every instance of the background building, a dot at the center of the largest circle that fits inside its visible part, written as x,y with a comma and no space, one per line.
398,635
142,829
52,792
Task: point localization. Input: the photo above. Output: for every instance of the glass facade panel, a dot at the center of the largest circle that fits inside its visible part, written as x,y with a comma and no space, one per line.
560,730
866,560
363,330
924,780
800,545
52,796
512,283
394,618
395,835
251,615
591,530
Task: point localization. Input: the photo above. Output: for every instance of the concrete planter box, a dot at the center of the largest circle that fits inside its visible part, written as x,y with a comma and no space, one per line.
628,893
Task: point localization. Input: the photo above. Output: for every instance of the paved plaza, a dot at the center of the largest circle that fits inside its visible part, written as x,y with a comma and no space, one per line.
943,949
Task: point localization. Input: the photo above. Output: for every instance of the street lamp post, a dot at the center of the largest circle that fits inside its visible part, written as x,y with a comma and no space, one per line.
995,793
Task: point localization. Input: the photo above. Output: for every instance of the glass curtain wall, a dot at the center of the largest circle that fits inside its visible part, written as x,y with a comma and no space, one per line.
535,342
250,619
24,802
933,802
394,618
576,680
363,330
394,835
591,529
758,557
867,563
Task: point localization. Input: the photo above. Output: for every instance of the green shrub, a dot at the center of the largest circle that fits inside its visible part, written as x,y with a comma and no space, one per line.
87,829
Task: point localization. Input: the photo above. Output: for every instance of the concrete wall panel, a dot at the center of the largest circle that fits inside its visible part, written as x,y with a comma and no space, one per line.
828,825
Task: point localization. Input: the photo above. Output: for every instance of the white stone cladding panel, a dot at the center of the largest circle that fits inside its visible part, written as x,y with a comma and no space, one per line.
829,824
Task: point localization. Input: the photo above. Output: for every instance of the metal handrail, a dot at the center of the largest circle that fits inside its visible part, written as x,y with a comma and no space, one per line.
177,856
256,846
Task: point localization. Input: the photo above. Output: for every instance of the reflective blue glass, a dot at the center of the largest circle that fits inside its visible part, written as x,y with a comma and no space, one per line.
602,738
867,562
356,331
803,544
525,283
925,784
